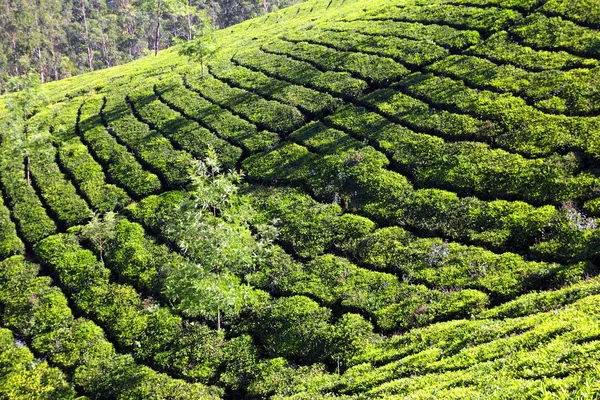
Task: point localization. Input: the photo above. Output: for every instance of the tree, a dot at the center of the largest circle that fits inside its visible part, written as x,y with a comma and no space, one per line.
100,231
203,47
211,227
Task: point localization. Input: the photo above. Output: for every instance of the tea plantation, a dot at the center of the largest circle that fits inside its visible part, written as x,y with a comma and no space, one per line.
357,199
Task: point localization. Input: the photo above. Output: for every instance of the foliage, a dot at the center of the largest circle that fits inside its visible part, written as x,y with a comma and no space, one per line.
358,199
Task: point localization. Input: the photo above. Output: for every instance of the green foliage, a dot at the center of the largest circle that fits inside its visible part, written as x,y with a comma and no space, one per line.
23,377
296,327
406,51
269,115
10,243
222,122
329,243
120,164
186,134
549,33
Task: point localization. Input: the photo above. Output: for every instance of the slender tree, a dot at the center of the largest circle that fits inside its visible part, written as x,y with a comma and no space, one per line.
100,231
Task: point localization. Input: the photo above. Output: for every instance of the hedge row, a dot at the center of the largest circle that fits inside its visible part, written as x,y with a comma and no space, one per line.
266,114
88,174
153,334
75,159
121,166
56,190
10,243
441,34
419,115
463,17
34,223
586,11
394,305
501,47
78,345
307,100
574,92
154,149
554,33
369,67
525,129
278,326
322,139
24,377
357,179
312,229
224,123
469,168
480,356
517,4
187,134
301,73
333,280
543,301
406,51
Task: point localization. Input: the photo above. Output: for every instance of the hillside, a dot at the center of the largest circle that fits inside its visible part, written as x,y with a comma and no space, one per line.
356,199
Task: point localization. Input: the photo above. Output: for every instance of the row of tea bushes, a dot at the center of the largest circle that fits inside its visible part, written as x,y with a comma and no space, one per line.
501,48
78,345
185,133
121,166
172,91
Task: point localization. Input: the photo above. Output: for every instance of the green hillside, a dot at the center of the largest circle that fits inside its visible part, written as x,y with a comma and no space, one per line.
356,199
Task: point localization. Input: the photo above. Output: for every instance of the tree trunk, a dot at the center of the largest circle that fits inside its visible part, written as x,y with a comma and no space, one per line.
53,51
87,36
218,319
189,20
104,45
42,68
157,33
265,6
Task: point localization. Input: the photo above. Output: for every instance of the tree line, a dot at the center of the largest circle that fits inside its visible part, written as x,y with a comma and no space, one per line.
58,39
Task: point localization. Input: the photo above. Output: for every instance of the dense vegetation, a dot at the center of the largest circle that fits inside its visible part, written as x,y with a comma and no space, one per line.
350,198
57,39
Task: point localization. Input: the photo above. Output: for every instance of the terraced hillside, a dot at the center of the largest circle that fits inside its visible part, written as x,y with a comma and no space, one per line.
356,199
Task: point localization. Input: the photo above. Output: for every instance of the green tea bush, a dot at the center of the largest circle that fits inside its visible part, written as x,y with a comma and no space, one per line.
457,16
75,158
10,243
443,35
33,221
406,51
501,47
265,114
553,33
305,99
525,129
469,168
24,377
586,12
78,345
302,73
369,67
572,92
222,122
187,134
121,165
154,149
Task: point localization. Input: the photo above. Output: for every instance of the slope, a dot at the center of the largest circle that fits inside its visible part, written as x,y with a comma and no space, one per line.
416,217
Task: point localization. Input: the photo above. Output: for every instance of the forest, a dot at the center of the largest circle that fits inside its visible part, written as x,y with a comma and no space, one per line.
58,39
353,199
